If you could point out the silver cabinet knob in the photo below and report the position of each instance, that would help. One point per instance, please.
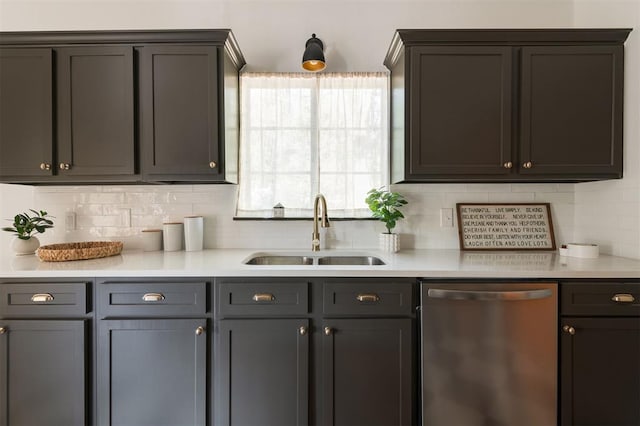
(328, 331)
(3, 330)
(302, 330)
(65, 166)
(508, 165)
(199, 331)
(45, 166)
(212, 165)
(527, 165)
(569, 329)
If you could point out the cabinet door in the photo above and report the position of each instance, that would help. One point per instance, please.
(262, 372)
(152, 372)
(43, 373)
(95, 111)
(571, 120)
(600, 372)
(179, 102)
(460, 111)
(26, 113)
(366, 372)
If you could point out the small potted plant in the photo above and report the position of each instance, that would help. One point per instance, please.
(24, 225)
(385, 206)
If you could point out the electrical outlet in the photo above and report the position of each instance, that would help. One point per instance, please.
(70, 221)
(446, 218)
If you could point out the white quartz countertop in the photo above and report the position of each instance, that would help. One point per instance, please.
(406, 263)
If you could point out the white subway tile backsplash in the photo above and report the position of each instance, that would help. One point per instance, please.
(122, 211)
(511, 197)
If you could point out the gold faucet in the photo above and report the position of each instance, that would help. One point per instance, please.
(319, 201)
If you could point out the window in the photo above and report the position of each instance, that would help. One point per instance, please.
(305, 134)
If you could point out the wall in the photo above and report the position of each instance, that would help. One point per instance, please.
(608, 213)
(356, 33)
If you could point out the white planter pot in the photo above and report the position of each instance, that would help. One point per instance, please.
(22, 247)
(390, 242)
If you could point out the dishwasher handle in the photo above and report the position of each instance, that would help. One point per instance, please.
(507, 295)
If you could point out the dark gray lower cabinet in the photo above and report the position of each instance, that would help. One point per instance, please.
(262, 372)
(366, 372)
(152, 372)
(43, 378)
(600, 365)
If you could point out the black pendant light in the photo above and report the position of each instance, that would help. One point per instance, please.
(313, 58)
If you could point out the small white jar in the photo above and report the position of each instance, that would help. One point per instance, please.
(193, 233)
(151, 239)
(172, 234)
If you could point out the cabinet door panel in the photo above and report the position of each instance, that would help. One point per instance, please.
(95, 110)
(366, 372)
(26, 112)
(571, 119)
(460, 110)
(179, 101)
(262, 373)
(42, 373)
(600, 372)
(152, 372)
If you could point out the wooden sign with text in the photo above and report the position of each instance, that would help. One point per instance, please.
(517, 226)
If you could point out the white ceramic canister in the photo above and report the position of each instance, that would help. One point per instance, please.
(172, 234)
(193, 233)
(151, 239)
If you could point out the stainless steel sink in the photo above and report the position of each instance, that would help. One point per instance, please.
(350, 260)
(293, 259)
(280, 260)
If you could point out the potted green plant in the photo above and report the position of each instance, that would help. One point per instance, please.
(24, 226)
(385, 206)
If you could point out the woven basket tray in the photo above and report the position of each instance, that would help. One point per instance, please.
(79, 251)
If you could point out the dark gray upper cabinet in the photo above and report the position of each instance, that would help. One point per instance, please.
(506, 105)
(180, 117)
(26, 113)
(95, 111)
(571, 110)
(119, 106)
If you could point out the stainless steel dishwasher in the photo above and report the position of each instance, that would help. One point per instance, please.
(489, 354)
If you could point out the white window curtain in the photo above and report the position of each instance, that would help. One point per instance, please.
(304, 134)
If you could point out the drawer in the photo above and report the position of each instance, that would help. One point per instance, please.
(589, 298)
(263, 298)
(60, 299)
(152, 299)
(368, 298)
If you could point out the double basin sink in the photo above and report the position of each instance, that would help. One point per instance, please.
(319, 259)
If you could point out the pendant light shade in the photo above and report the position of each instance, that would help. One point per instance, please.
(313, 58)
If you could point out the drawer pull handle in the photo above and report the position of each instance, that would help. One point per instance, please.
(368, 297)
(263, 297)
(153, 297)
(623, 298)
(199, 330)
(302, 330)
(3, 330)
(569, 329)
(42, 297)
